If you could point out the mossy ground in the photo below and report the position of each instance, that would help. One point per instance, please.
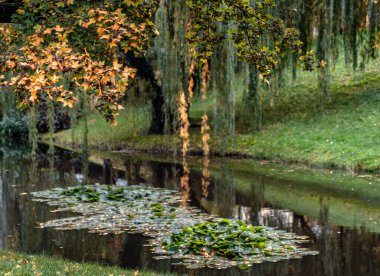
(344, 133)
(17, 264)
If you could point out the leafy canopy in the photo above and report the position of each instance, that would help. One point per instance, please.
(260, 38)
(57, 50)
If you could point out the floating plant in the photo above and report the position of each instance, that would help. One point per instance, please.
(234, 240)
(112, 209)
(181, 233)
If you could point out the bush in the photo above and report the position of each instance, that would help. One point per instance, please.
(14, 128)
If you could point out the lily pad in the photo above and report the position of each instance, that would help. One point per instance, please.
(232, 239)
(186, 235)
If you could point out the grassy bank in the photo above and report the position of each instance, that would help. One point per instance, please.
(344, 134)
(20, 264)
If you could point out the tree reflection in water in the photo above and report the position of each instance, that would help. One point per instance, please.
(254, 198)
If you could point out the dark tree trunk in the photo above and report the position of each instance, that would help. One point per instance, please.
(107, 172)
(145, 71)
(6, 11)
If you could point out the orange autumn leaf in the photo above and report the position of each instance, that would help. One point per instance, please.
(59, 28)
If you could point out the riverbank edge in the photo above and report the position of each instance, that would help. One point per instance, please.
(171, 147)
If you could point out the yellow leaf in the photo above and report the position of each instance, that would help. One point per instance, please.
(47, 31)
(59, 28)
(38, 41)
(116, 65)
(114, 123)
(100, 30)
(115, 27)
(62, 37)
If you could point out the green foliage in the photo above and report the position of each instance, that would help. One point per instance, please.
(116, 194)
(109, 193)
(158, 209)
(232, 239)
(14, 127)
(252, 26)
(83, 194)
(60, 49)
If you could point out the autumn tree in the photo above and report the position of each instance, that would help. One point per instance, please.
(57, 50)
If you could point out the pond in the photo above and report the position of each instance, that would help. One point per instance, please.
(340, 213)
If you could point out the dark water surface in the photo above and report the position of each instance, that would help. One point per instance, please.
(343, 228)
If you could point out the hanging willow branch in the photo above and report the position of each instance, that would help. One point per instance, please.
(251, 23)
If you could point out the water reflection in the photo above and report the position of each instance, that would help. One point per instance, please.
(352, 249)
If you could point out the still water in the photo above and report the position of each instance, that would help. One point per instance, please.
(343, 223)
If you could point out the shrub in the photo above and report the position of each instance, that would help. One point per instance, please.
(14, 128)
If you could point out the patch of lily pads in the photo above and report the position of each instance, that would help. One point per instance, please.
(219, 240)
(187, 235)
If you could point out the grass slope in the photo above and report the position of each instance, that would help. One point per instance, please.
(347, 137)
(343, 134)
(15, 264)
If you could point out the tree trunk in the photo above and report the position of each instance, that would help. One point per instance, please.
(7, 10)
(145, 71)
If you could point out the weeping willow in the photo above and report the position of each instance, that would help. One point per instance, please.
(73, 113)
(346, 29)
(346, 26)
(85, 151)
(330, 27)
(51, 142)
(33, 131)
(223, 77)
(171, 57)
(334, 29)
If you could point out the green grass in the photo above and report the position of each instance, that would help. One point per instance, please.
(345, 137)
(12, 264)
(343, 134)
(132, 122)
